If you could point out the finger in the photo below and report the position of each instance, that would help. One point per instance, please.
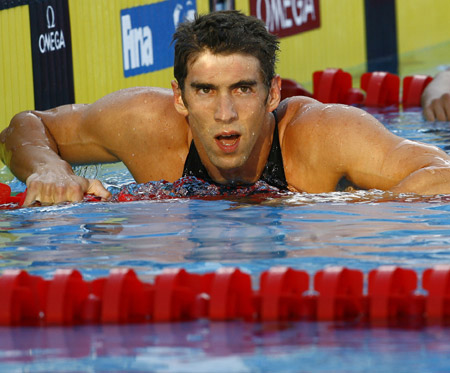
(428, 114)
(33, 193)
(30, 199)
(439, 111)
(97, 189)
(446, 106)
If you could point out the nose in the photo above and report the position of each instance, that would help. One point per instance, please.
(225, 111)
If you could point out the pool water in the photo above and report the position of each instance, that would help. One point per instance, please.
(361, 230)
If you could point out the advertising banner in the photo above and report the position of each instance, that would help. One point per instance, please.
(147, 34)
(51, 50)
(287, 17)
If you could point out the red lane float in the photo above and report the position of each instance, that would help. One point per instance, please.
(284, 294)
(391, 294)
(281, 294)
(335, 86)
(382, 89)
(66, 294)
(8, 201)
(413, 87)
(231, 295)
(178, 295)
(436, 281)
(22, 298)
(290, 88)
(340, 293)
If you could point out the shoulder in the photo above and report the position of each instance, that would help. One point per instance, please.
(142, 118)
(146, 108)
(320, 141)
(308, 117)
(137, 100)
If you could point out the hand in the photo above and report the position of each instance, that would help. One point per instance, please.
(436, 98)
(52, 188)
(438, 109)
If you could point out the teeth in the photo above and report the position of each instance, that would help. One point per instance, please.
(227, 136)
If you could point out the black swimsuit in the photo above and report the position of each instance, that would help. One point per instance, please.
(273, 173)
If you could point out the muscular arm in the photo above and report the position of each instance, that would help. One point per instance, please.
(39, 147)
(436, 98)
(328, 142)
(31, 151)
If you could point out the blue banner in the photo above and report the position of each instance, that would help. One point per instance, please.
(147, 33)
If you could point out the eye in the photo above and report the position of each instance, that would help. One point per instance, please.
(244, 89)
(205, 90)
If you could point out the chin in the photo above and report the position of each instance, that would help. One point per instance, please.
(230, 164)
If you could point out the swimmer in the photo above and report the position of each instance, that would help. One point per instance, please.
(436, 98)
(222, 120)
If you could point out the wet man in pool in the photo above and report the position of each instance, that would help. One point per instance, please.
(222, 121)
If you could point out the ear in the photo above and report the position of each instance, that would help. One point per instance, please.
(178, 99)
(274, 97)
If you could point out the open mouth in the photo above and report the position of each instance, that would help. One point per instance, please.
(229, 142)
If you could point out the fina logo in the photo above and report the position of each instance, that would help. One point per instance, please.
(53, 40)
(138, 42)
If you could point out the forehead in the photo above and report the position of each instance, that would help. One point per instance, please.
(207, 66)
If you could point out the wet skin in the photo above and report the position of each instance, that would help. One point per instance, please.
(226, 109)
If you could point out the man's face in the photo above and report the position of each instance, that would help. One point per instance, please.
(227, 106)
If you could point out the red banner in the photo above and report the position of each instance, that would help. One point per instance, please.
(287, 17)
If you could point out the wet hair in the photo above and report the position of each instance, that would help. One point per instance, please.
(224, 32)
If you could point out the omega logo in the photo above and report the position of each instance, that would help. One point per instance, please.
(53, 40)
(50, 17)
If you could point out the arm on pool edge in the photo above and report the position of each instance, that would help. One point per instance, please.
(31, 152)
(436, 98)
(408, 166)
(323, 143)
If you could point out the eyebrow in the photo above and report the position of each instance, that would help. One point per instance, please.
(196, 85)
(247, 83)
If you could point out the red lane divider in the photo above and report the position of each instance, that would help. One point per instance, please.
(231, 295)
(281, 295)
(291, 88)
(179, 295)
(437, 282)
(382, 89)
(22, 298)
(7, 201)
(340, 293)
(333, 294)
(413, 87)
(377, 89)
(335, 86)
(391, 294)
(65, 296)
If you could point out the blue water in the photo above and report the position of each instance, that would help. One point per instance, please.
(358, 230)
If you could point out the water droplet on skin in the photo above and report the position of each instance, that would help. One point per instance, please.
(132, 154)
(145, 101)
(100, 110)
